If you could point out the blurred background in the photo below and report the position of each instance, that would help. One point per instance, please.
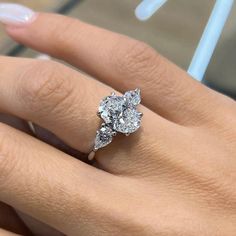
(174, 31)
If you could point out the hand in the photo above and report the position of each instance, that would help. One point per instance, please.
(175, 176)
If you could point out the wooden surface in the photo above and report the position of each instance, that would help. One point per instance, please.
(174, 31)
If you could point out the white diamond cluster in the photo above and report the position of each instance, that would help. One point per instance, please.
(120, 115)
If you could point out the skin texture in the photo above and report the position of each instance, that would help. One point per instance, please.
(175, 176)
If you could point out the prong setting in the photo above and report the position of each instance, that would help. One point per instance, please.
(140, 114)
(99, 114)
(119, 115)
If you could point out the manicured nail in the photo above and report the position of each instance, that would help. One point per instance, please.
(15, 14)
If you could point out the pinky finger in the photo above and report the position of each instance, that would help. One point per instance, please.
(6, 233)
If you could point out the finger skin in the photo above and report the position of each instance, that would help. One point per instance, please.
(51, 139)
(78, 199)
(122, 63)
(65, 102)
(38, 227)
(50, 185)
(7, 233)
(52, 96)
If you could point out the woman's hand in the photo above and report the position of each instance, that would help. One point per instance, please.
(175, 176)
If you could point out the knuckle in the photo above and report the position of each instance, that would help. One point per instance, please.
(136, 58)
(220, 192)
(48, 89)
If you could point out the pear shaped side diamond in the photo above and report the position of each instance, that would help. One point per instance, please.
(104, 137)
(133, 97)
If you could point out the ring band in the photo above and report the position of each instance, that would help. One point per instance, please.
(119, 115)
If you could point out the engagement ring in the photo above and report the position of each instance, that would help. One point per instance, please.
(119, 115)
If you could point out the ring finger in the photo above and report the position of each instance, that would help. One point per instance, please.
(65, 102)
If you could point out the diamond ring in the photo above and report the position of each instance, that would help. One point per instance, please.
(119, 115)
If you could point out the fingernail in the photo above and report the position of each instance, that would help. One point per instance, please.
(15, 14)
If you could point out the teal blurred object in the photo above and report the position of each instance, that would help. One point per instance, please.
(209, 39)
(147, 8)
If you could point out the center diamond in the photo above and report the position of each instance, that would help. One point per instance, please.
(120, 113)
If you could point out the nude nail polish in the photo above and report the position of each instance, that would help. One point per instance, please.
(15, 14)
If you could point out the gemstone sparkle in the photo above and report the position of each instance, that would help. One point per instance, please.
(133, 97)
(104, 137)
(120, 115)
